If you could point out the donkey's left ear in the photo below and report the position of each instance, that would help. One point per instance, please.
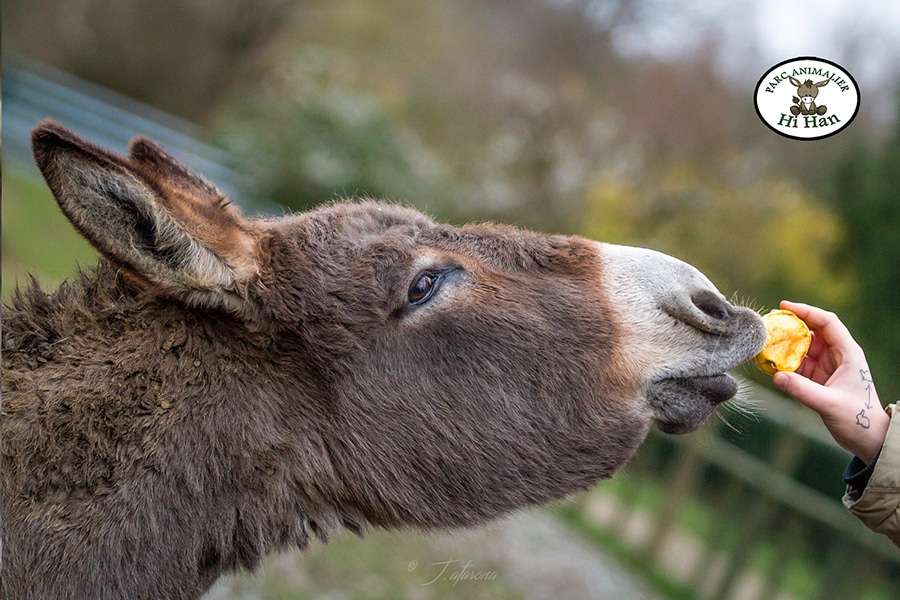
(157, 221)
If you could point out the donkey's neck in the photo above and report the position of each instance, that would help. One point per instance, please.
(177, 421)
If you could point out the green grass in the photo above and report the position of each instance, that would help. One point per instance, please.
(383, 566)
(37, 237)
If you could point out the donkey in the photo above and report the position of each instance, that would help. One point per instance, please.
(807, 92)
(219, 388)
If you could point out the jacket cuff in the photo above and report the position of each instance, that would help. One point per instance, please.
(883, 474)
(858, 473)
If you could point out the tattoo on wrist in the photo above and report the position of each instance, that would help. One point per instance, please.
(861, 419)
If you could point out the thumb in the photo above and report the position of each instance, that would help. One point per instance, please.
(800, 388)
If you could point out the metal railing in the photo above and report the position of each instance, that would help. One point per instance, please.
(32, 91)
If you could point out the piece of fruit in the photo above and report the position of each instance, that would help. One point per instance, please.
(786, 344)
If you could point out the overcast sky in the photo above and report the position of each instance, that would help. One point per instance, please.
(753, 35)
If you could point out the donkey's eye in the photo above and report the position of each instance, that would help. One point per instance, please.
(423, 288)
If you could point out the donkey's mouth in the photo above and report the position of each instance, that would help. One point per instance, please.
(682, 404)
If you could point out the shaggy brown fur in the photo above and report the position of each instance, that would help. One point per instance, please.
(219, 388)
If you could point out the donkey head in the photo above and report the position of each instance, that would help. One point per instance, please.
(807, 90)
(450, 373)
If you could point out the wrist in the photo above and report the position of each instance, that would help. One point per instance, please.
(868, 446)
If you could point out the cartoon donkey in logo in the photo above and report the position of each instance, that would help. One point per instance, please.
(806, 104)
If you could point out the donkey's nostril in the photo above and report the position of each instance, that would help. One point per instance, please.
(711, 304)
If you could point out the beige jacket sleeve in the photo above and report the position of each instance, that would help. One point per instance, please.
(878, 506)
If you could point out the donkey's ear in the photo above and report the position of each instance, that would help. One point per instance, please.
(154, 219)
(148, 157)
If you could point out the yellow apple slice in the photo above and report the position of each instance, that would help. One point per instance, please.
(787, 342)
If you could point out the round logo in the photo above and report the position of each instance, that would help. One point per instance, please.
(806, 98)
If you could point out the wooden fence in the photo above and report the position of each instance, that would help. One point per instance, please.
(767, 533)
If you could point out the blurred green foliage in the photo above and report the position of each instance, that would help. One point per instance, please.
(866, 196)
(311, 140)
(758, 237)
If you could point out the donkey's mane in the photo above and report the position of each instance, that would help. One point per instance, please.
(38, 321)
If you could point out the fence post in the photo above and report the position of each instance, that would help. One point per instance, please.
(681, 485)
(791, 537)
(632, 492)
(704, 576)
(786, 455)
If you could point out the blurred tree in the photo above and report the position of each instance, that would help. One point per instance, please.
(763, 237)
(182, 56)
(311, 138)
(867, 196)
(470, 98)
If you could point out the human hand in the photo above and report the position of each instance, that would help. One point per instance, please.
(834, 381)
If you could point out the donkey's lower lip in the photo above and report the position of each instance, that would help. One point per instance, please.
(682, 404)
(716, 388)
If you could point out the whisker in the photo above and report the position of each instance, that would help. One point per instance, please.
(744, 407)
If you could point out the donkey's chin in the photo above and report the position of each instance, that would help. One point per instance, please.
(682, 404)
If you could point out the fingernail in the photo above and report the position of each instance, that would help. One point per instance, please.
(780, 379)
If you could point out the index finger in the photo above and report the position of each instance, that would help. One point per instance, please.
(826, 325)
